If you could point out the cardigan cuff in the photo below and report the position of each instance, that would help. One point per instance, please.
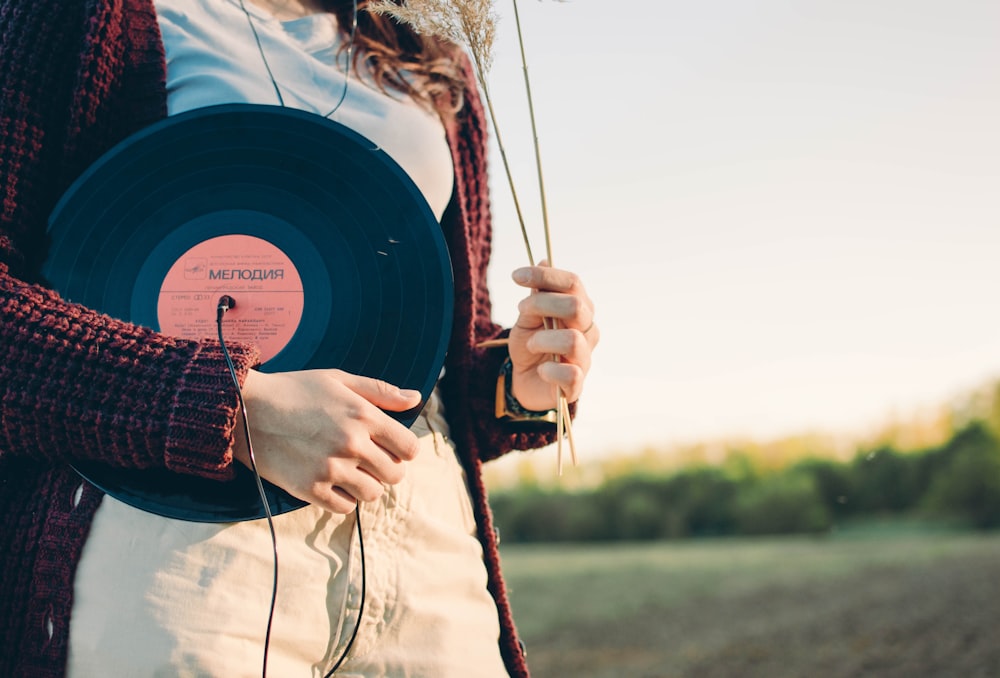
(204, 412)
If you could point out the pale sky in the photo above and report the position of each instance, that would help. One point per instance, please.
(787, 211)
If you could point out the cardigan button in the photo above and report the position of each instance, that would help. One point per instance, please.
(77, 495)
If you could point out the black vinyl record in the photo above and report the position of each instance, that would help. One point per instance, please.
(331, 252)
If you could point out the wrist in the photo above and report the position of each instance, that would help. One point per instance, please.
(508, 408)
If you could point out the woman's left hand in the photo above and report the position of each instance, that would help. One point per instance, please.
(542, 358)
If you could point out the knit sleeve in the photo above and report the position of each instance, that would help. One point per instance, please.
(76, 384)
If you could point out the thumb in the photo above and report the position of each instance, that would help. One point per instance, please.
(381, 393)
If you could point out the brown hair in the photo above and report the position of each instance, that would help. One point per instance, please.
(428, 69)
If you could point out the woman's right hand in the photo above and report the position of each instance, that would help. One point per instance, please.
(320, 435)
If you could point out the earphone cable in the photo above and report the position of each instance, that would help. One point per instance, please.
(361, 607)
(260, 48)
(270, 74)
(225, 303)
(350, 58)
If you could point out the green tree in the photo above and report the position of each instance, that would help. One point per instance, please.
(784, 503)
(968, 485)
(884, 481)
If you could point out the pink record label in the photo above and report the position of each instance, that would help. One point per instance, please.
(261, 279)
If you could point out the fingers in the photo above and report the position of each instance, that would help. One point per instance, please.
(571, 311)
(351, 488)
(373, 445)
(547, 279)
(323, 436)
(380, 393)
(392, 440)
(574, 353)
(340, 481)
(570, 345)
(335, 499)
(568, 377)
(554, 336)
(556, 294)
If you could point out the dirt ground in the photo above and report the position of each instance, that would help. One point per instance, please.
(930, 619)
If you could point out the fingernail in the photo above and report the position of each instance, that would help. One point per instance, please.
(409, 393)
(522, 275)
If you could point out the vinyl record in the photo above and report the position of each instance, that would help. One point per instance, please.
(331, 252)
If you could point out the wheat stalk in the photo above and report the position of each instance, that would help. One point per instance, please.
(472, 23)
(563, 420)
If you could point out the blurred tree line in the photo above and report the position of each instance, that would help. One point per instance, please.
(956, 480)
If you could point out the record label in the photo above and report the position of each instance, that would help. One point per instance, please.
(261, 278)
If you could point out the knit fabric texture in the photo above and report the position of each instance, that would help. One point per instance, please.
(76, 78)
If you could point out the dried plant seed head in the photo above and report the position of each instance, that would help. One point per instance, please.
(471, 23)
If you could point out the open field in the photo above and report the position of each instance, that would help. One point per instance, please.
(880, 602)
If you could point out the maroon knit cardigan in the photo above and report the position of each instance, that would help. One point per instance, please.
(75, 78)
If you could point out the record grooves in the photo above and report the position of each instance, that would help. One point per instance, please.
(330, 250)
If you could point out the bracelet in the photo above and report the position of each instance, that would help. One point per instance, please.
(507, 406)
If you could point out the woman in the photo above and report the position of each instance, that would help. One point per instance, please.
(76, 572)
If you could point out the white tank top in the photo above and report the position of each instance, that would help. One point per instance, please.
(213, 58)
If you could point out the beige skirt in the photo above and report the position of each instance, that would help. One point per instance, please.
(161, 597)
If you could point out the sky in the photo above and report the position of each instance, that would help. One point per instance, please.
(786, 212)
